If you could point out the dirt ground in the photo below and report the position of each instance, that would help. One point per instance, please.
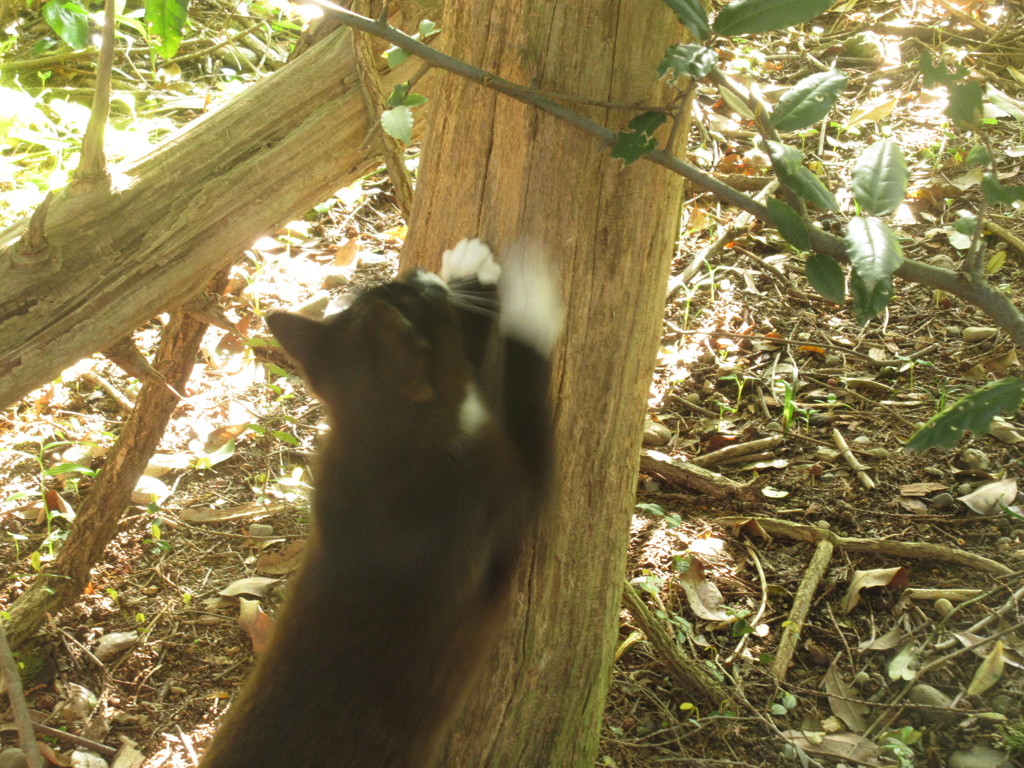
(813, 517)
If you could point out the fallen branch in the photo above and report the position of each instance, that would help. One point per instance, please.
(699, 479)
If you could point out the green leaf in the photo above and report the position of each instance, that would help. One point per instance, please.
(997, 192)
(69, 21)
(285, 437)
(687, 60)
(826, 277)
(789, 224)
(750, 17)
(414, 100)
(813, 190)
(397, 122)
(808, 101)
(166, 19)
(978, 156)
(787, 164)
(937, 74)
(785, 160)
(880, 177)
(61, 469)
(398, 95)
(868, 301)
(427, 29)
(875, 254)
(966, 223)
(691, 14)
(638, 139)
(973, 412)
(965, 105)
(396, 56)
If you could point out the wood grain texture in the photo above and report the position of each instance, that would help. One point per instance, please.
(502, 170)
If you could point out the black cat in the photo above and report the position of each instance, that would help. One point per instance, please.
(425, 492)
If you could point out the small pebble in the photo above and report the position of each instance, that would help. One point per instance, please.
(651, 485)
(656, 433)
(12, 757)
(943, 606)
(978, 756)
(1003, 543)
(861, 677)
(964, 488)
(833, 361)
(862, 439)
(929, 696)
(975, 459)
(823, 524)
(774, 425)
(879, 453)
(943, 501)
(261, 529)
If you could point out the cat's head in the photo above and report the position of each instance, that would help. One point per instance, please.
(397, 350)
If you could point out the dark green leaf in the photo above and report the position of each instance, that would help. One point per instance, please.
(977, 156)
(826, 277)
(813, 190)
(974, 412)
(166, 19)
(874, 254)
(397, 122)
(937, 74)
(808, 101)
(965, 105)
(997, 192)
(789, 224)
(745, 17)
(880, 177)
(69, 21)
(785, 160)
(868, 302)
(692, 16)
(690, 60)
(638, 139)
(398, 94)
(787, 164)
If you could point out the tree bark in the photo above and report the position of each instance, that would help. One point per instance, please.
(117, 257)
(494, 167)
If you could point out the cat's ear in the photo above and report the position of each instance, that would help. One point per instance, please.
(402, 355)
(305, 340)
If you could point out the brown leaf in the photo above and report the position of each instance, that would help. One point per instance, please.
(839, 693)
(252, 585)
(921, 489)
(704, 598)
(894, 578)
(282, 561)
(256, 623)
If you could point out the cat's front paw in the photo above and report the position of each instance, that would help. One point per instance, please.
(531, 301)
(470, 259)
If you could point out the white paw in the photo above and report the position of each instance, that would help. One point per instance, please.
(470, 258)
(531, 303)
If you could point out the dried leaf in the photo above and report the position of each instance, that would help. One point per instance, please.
(252, 585)
(921, 489)
(988, 672)
(903, 666)
(256, 623)
(1010, 656)
(848, 746)
(894, 578)
(207, 515)
(283, 561)
(704, 598)
(1005, 432)
(839, 695)
(886, 642)
(989, 498)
